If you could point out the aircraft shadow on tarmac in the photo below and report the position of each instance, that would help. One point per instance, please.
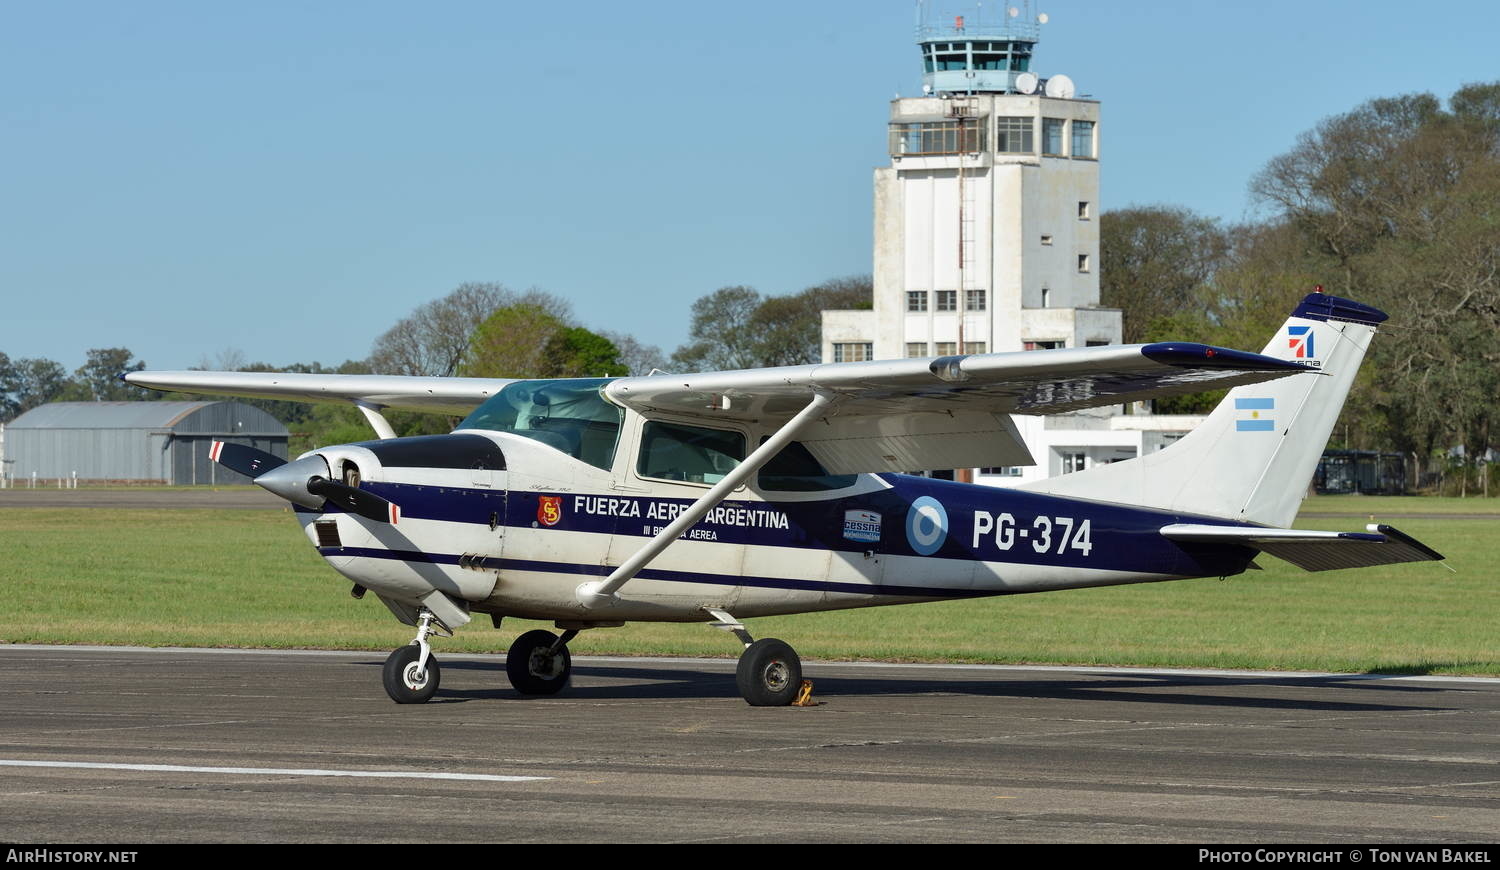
(624, 682)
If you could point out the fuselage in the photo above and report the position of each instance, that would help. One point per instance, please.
(511, 526)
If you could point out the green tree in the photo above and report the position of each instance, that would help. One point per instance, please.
(1399, 200)
(789, 329)
(575, 352)
(100, 375)
(32, 382)
(433, 340)
(531, 340)
(8, 406)
(1156, 262)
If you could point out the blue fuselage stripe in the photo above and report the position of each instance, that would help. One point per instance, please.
(659, 574)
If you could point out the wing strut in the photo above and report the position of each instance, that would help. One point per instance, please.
(376, 419)
(596, 593)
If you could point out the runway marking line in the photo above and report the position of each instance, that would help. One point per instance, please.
(273, 771)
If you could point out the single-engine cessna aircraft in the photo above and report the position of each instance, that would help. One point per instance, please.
(719, 496)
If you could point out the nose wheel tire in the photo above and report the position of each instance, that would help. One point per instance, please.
(537, 664)
(769, 673)
(404, 682)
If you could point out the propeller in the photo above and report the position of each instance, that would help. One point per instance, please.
(304, 481)
(246, 460)
(363, 502)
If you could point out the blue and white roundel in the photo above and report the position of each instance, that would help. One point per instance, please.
(926, 525)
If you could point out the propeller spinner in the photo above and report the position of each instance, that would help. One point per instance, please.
(304, 481)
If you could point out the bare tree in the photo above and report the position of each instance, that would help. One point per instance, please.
(721, 332)
(737, 328)
(639, 358)
(432, 340)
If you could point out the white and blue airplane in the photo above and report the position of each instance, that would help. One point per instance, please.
(721, 496)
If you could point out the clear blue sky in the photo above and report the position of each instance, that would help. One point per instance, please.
(290, 179)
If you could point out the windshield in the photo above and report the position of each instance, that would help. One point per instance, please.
(569, 415)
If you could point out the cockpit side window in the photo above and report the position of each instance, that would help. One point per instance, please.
(672, 451)
(568, 415)
(795, 469)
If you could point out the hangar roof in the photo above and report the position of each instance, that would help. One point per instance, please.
(129, 415)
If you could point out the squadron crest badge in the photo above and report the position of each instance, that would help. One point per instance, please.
(549, 509)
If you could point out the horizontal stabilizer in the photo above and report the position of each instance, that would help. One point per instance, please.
(1314, 550)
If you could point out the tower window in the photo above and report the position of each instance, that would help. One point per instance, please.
(947, 300)
(1083, 139)
(1046, 297)
(853, 351)
(1083, 211)
(1014, 136)
(974, 300)
(916, 300)
(938, 137)
(1083, 262)
(1046, 238)
(1052, 136)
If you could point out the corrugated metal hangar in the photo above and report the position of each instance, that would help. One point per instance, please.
(130, 442)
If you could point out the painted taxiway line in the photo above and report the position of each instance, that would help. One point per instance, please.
(1106, 670)
(273, 771)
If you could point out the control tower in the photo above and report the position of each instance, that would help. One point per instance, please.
(986, 219)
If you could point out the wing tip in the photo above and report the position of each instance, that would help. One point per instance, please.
(1192, 355)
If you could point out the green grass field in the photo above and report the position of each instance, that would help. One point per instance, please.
(249, 578)
(1398, 505)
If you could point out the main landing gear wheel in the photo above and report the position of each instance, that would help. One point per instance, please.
(404, 682)
(769, 673)
(538, 663)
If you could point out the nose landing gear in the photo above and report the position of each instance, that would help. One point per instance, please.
(411, 674)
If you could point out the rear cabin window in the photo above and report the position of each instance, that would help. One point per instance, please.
(570, 415)
(795, 469)
(672, 451)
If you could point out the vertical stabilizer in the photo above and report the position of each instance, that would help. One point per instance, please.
(1254, 457)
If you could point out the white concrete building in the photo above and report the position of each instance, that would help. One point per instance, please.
(987, 235)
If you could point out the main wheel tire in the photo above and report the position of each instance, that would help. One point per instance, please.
(769, 673)
(533, 668)
(402, 682)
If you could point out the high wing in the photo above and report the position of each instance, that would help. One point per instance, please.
(1314, 550)
(435, 395)
(948, 412)
(885, 415)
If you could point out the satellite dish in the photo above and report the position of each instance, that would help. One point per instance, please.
(1027, 82)
(1060, 87)
(1013, 12)
(1041, 19)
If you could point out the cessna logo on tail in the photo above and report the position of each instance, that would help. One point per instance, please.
(1300, 340)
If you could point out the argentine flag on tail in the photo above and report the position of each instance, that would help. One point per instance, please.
(1249, 417)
